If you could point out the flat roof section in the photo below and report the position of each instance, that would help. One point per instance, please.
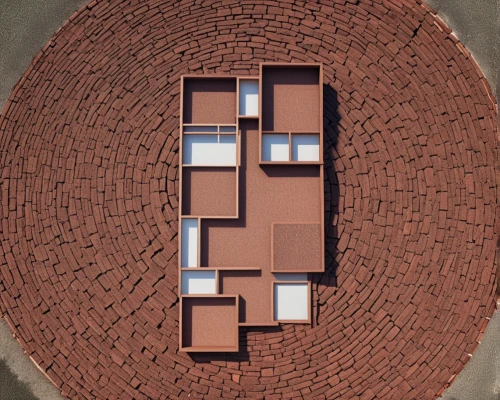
(297, 247)
(292, 101)
(209, 191)
(209, 101)
(255, 296)
(267, 194)
(209, 323)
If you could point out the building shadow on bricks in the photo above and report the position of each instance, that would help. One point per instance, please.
(328, 280)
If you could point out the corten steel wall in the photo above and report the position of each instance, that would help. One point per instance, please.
(89, 223)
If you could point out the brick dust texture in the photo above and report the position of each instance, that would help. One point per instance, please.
(89, 189)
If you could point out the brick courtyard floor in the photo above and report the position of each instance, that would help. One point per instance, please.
(88, 164)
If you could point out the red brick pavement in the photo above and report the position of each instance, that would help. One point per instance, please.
(89, 191)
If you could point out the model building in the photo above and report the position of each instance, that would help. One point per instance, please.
(251, 206)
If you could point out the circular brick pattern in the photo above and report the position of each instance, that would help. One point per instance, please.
(89, 191)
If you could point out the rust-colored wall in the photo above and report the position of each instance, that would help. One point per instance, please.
(267, 195)
(209, 322)
(209, 101)
(209, 191)
(291, 103)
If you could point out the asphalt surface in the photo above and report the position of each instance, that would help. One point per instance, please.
(26, 25)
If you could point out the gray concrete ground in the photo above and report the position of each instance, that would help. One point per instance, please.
(476, 23)
(20, 379)
(26, 25)
(480, 379)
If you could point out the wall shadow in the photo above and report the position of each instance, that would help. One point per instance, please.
(331, 120)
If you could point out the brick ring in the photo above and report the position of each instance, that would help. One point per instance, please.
(89, 201)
